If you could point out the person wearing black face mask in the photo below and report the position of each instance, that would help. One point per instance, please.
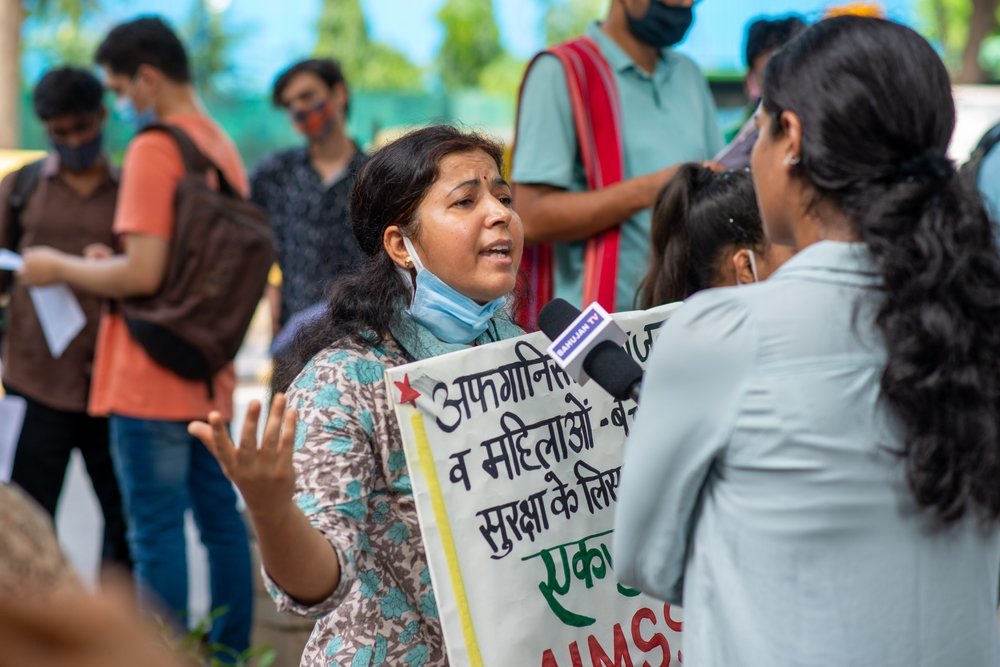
(604, 121)
(68, 203)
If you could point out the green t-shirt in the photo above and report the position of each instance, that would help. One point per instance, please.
(667, 118)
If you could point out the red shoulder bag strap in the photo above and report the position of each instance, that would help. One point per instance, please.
(594, 100)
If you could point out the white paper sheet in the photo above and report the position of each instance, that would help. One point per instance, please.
(10, 261)
(60, 315)
(12, 410)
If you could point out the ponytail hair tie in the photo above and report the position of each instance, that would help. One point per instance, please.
(929, 164)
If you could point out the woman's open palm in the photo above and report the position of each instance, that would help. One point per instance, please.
(263, 474)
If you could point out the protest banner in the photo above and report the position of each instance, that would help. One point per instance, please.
(515, 470)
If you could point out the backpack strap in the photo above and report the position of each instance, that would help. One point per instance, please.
(25, 181)
(594, 100)
(195, 162)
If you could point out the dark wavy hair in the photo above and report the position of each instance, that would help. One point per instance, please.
(769, 34)
(698, 215)
(147, 40)
(365, 303)
(326, 69)
(874, 102)
(67, 90)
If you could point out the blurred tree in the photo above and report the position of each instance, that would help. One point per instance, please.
(967, 32)
(368, 65)
(209, 44)
(64, 42)
(471, 42)
(12, 14)
(565, 19)
(502, 76)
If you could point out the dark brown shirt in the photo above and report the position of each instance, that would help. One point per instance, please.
(55, 215)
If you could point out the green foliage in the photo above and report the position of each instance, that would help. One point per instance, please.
(502, 76)
(471, 42)
(565, 19)
(63, 43)
(196, 648)
(367, 65)
(946, 22)
(74, 10)
(209, 45)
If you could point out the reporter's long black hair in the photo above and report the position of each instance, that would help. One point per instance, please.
(365, 302)
(875, 106)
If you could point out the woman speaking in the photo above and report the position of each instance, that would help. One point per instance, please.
(814, 471)
(328, 490)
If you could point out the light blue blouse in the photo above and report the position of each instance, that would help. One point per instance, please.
(759, 492)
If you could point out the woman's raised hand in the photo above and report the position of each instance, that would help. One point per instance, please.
(264, 474)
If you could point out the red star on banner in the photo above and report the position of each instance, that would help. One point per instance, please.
(407, 394)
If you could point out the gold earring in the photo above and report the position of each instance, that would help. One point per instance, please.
(408, 262)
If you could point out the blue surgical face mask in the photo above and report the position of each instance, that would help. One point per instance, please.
(82, 157)
(444, 311)
(661, 26)
(125, 108)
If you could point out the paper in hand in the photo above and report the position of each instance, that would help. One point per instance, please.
(10, 261)
(736, 154)
(12, 409)
(60, 315)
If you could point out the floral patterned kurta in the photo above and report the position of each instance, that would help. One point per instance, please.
(353, 485)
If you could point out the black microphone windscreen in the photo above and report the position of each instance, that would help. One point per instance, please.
(555, 316)
(610, 366)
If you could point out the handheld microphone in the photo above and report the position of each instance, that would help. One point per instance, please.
(588, 344)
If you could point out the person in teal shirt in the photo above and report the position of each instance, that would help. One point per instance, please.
(668, 118)
(813, 468)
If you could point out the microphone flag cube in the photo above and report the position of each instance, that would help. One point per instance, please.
(593, 326)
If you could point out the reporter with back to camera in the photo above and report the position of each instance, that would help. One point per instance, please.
(814, 472)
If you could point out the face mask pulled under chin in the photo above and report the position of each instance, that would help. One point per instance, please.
(444, 311)
(661, 26)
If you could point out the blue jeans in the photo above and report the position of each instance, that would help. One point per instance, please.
(163, 471)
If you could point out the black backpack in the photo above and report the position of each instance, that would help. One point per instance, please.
(970, 170)
(220, 253)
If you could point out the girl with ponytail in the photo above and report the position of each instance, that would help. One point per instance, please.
(706, 232)
(814, 470)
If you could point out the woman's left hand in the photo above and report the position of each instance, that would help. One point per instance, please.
(41, 266)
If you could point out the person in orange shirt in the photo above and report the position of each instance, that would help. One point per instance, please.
(162, 470)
